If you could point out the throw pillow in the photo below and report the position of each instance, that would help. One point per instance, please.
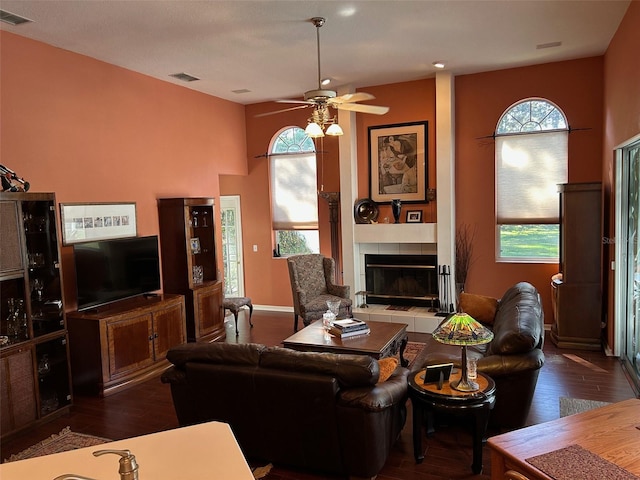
(387, 367)
(480, 307)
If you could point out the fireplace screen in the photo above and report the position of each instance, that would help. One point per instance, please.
(410, 280)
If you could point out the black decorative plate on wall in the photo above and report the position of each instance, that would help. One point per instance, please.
(365, 211)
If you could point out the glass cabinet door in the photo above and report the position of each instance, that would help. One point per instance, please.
(53, 375)
(45, 290)
(201, 244)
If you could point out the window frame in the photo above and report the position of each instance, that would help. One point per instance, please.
(564, 127)
(292, 141)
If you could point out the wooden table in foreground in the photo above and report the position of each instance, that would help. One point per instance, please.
(611, 432)
(385, 340)
(207, 450)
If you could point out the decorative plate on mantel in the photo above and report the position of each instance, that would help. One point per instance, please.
(365, 211)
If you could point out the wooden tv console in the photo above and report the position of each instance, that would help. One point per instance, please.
(124, 343)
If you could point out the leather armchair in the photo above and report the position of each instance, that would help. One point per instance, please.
(312, 284)
(513, 358)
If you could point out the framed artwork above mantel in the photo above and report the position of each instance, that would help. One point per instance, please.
(398, 163)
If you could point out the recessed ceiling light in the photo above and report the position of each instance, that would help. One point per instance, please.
(325, 81)
(347, 11)
(241, 90)
(438, 64)
(12, 18)
(548, 45)
(185, 77)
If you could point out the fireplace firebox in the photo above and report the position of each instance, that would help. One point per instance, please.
(408, 280)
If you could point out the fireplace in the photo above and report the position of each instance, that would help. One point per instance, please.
(409, 280)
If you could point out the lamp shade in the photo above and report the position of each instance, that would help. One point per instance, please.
(314, 130)
(334, 130)
(462, 329)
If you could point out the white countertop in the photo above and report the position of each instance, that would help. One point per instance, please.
(200, 452)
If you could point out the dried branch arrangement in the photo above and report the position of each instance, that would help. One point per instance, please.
(464, 252)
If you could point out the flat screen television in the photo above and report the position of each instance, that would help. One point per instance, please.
(115, 269)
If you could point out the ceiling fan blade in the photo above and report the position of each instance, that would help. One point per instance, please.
(352, 98)
(357, 107)
(308, 102)
(280, 111)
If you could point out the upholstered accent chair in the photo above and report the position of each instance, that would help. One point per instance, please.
(312, 284)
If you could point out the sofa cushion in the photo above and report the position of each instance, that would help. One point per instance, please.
(386, 366)
(480, 307)
(349, 370)
(519, 321)
(216, 352)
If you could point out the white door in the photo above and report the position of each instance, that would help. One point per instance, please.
(232, 246)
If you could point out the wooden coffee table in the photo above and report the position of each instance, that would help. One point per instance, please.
(385, 340)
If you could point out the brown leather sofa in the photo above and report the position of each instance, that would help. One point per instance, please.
(512, 359)
(316, 411)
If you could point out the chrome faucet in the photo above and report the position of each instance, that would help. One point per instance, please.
(128, 466)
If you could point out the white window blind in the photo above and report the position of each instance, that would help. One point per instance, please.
(294, 194)
(528, 169)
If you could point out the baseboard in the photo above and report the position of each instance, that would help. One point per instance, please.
(273, 308)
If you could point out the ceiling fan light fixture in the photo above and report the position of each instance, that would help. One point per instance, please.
(314, 130)
(334, 130)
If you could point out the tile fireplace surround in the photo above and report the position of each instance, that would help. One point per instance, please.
(394, 239)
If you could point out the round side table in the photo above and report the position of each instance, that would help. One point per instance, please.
(428, 401)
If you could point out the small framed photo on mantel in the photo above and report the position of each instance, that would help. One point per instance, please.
(414, 216)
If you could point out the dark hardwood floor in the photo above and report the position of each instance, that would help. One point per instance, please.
(148, 408)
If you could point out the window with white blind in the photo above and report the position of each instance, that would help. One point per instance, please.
(294, 193)
(531, 160)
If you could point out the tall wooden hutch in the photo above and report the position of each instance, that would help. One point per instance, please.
(577, 292)
(35, 382)
(189, 263)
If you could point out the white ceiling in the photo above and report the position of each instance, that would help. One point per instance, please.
(269, 47)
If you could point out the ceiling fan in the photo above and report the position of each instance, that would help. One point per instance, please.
(322, 99)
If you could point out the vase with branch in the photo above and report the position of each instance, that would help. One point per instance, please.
(464, 256)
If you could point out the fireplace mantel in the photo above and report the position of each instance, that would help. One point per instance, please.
(395, 233)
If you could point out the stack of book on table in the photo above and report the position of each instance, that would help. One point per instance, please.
(349, 327)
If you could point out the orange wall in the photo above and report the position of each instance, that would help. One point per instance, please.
(622, 122)
(266, 277)
(576, 87)
(407, 102)
(93, 132)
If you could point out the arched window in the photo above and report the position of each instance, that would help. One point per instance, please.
(294, 193)
(531, 160)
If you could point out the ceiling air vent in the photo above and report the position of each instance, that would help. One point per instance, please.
(185, 77)
(12, 18)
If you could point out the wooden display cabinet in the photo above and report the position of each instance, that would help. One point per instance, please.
(189, 263)
(577, 293)
(124, 343)
(35, 382)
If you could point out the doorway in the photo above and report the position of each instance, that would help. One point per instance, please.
(628, 258)
(232, 246)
